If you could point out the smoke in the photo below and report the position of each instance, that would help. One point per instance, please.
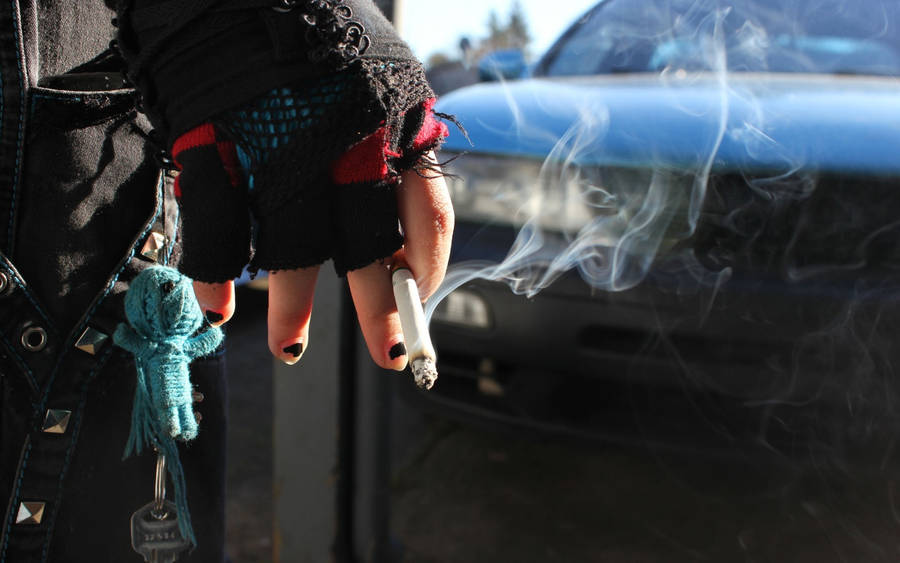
(632, 215)
(707, 172)
(729, 187)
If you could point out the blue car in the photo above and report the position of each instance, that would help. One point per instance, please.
(689, 210)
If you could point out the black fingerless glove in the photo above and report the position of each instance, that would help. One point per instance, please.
(318, 102)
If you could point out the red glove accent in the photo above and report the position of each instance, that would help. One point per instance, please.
(369, 160)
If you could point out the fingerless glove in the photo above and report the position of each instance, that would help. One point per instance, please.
(291, 122)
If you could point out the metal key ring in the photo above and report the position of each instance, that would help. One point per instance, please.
(159, 488)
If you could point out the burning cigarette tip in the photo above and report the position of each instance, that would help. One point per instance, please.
(425, 372)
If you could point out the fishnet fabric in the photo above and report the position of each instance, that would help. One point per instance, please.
(288, 141)
(270, 122)
(373, 93)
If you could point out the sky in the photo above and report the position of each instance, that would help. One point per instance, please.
(431, 26)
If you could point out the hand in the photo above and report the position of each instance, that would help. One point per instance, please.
(296, 163)
(426, 216)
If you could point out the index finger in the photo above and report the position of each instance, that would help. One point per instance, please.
(426, 214)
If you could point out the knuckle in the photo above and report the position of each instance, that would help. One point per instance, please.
(443, 219)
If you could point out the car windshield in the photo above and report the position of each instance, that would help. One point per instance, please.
(810, 36)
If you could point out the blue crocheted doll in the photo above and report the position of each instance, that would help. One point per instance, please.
(164, 317)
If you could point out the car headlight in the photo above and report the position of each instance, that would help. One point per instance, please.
(465, 308)
(513, 191)
(600, 206)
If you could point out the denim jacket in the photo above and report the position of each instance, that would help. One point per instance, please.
(84, 206)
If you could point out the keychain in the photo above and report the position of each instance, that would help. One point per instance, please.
(164, 334)
(154, 527)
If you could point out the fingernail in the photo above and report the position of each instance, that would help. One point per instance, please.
(397, 350)
(292, 353)
(213, 317)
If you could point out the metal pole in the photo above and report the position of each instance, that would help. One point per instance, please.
(311, 439)
(318, 517)
(393, 10)
(346, 455)
(398, 18)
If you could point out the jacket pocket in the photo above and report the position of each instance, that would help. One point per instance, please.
(89, 185)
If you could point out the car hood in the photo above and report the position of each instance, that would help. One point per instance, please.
(745, 122)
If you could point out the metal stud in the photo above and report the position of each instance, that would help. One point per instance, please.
(34, 339)
(285, 7)
(154, 246)
(91, 340)
(30, 513)
(56, 421)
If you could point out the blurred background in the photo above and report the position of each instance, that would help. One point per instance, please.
(668, 333)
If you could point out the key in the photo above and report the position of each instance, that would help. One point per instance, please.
(157, 540)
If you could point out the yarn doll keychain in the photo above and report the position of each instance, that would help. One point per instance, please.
(164, 319)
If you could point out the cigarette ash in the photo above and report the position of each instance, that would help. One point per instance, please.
(424, 372)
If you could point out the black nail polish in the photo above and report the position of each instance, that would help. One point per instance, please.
(294, 349)
(397, 350)
(214, 317)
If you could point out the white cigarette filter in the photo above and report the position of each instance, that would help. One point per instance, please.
(419, 349)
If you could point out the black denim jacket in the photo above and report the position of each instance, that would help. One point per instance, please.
(84, 206)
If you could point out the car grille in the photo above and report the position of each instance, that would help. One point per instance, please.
(801, 227)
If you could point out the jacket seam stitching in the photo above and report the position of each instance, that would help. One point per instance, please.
(12, 512)
(101, 363)
(21, 125)
(55, 97)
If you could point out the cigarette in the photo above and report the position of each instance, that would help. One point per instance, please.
(419, 349)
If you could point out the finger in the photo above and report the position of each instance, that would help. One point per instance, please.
(427, 218)
(377, 313)
(216, 301)
(290, 307)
